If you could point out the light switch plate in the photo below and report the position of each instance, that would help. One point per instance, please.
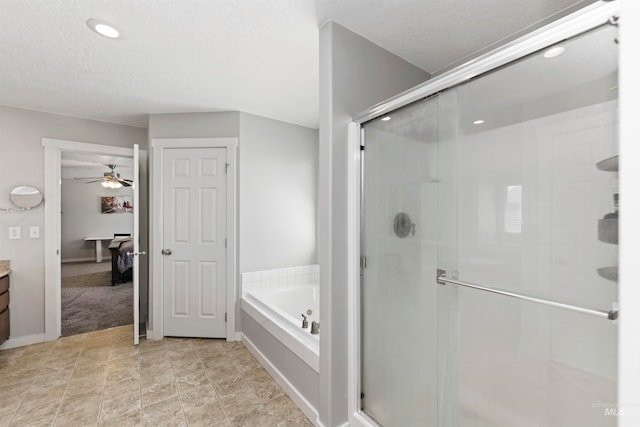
(14, 233)
(34, 232)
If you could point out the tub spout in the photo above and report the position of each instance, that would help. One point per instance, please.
(315, 327)
(305, 323)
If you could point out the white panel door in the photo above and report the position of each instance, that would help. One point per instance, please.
(194, 242)
(136, 245)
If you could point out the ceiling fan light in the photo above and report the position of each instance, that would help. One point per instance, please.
(105, 184)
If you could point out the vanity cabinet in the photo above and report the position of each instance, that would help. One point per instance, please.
(4, 308)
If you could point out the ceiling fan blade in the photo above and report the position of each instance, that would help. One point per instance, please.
(125, 184)
(91, 182)
(89, 177)
(128, 180)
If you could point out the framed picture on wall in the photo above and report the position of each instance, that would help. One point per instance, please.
(116, 204)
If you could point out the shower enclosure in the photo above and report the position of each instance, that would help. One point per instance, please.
(488, 230)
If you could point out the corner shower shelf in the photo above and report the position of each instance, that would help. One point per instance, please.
(608, 165)
(609, 273)
(608, 229)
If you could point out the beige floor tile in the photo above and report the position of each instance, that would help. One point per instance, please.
(239, 403)
(151, 377)
(11, 397)
(265, 389)
(14, 376)
(36, 412)
(191, 381)
(300, 421)
(282, 408)
(255, 417)
(199, 395)
(86, 416)
(5, 418)
(158, 392)
(132, 419)
(230, 385)
(119, 407)
(205, 414)
(85, 401)
(102, 379)
(165, 412)
(126, 388)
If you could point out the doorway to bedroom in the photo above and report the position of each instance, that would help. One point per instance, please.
(95, 236)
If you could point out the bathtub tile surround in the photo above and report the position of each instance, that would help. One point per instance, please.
(280, 278)
(100, 378)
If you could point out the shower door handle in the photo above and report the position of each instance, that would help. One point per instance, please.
(166, 252)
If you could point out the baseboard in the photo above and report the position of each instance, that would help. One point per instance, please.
(66, 260)
(22, 341)
(152, 336)
(302, 403)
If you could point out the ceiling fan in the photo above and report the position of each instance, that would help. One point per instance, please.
(110, 179)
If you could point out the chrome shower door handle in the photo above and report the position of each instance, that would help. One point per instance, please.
(136, 253)
(166, 252)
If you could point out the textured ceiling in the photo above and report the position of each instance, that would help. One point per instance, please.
(255, 56)
(174, 56)
(435, 34)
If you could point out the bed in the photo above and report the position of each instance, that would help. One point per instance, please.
(121, 263)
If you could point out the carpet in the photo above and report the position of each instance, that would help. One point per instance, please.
(87, 309)
(90, 280)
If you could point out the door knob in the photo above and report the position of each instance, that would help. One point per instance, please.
(166, 252)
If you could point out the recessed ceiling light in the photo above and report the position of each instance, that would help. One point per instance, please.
(103, 28)
(478, 122)
(386, 119)
(553, 52)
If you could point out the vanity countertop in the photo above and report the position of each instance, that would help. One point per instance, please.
(5, 268)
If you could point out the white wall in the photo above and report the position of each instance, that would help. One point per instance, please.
(278, 194)
(21, 133)
(82, 217)
(355, 74)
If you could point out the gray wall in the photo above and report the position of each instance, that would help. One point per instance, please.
(278, 194)
(21, 133)
(354, 74)
(276, 180)
(82, 217)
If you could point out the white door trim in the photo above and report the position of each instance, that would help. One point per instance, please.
(156, 329)
(52, 223)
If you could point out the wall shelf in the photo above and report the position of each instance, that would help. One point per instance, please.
(608, 165)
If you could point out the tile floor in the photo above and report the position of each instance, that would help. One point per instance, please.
(101, 378)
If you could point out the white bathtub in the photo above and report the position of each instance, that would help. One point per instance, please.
(279, 312)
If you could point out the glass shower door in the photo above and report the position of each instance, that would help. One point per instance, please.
(534, 212)
(399, 303)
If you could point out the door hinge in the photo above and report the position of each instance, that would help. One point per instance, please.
(226, 168)
(363, 262)
(225, 318)
(362, 146)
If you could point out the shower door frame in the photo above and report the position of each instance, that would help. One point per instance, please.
(586, 19)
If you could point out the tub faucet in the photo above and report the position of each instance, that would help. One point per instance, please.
(305, 324)
(315, 327)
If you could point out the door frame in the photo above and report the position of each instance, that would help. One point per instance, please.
(53, 149)
(156, 237)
